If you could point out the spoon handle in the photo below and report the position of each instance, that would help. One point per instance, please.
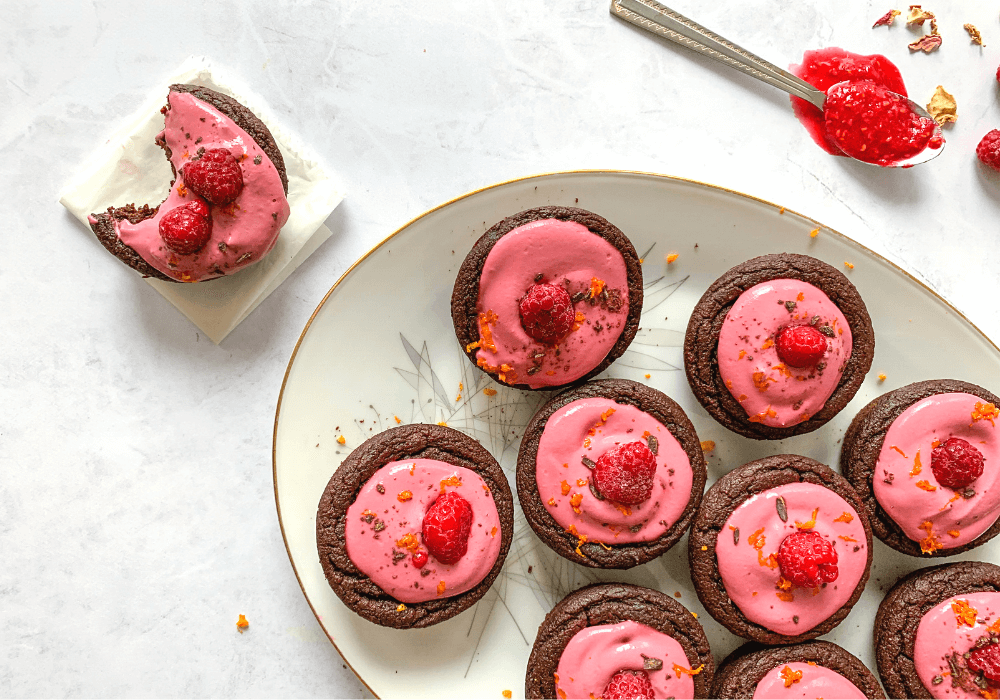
(662, 21)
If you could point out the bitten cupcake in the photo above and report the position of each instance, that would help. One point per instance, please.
(807, 670)
(780, 550)
(937, 633)
(548, 297)
(925, 460)
(619, 641)
(778, 345)
(610, 474)
(414, 526)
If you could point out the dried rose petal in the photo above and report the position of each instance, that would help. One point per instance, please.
(943, 107)
(917, 15)
(974, 34)
(926, 43)
(887, 19)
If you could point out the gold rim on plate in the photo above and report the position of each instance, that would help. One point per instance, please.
(672, 178)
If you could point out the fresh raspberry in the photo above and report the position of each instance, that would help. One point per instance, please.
(807, 559)
(547, 312)
(419, 559)
(988, 149)
(446, 528)
(624, 474)
(216, 176)
(986, 660)
(629, 685)
(956, 463)
(801, 346)
(186, 229)
(998, 75)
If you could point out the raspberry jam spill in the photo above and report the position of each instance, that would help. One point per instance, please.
(873, 125)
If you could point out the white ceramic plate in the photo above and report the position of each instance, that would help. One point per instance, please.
(381, 345)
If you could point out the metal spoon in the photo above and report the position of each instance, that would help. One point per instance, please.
(662, 21)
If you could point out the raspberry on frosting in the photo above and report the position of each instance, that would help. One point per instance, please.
(547, 312)
(801, 346)
(186, 229)
(956, 463)
(446, 528)
(624, 474)
(986, 660)
(807, 559)
(629, 685)
(216, 176)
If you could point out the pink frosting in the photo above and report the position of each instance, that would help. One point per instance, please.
(597, 653)
(908, 442)
(591, 427)
(940, 634)
(242, 232)
(752, 585)
(816, 682)
(770, 392)
(372, 552)
(559, 251)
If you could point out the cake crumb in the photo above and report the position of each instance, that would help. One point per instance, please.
(677, 594)
(671, 257)
(342, 440)
(242, 624)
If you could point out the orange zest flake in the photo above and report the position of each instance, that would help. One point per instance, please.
(985, 411)
(995, 627)
(404, 496)
(965, 614)
(603, 545)
(472, 346)
(849, 266)
(782, 369)
(552, 501)
(564, 487)
(490, 392)
(400, 608)
(800, 297)
(624, 510)
(729, 384)
(988, 694)
(596, 287)
(452, 480)
(759, 418)
(784, 584)
(757, 540)
(408, 542)
(811, 663)
(506, 693)
(485, 334)
(575, 500)
(182, 190)
(580, 539)
(893, 447)
(648, 376)
(242, 624)
(743, 397)
(607, 414)
(785, 596)
(507, 374)
(760, 380)
(493, 532)
(442, 423)
(367, 513)
(707, 445)
(342, 440)
(460, 387)
(846, 538)
(926, 485)
(671, 257)
(936, 443)
(951, 500)
(561, 693)
(844, 517)
(440, 588)
(955, 533)
(809, 524)
(881, 376)
(929, 544)
(586, 442)
(581, 482)
(790, 676)
(678, 669)
(917, 467)
(398, 420)
(486, 489)
(577, 322)
(743, 353)
(814, 233)
(767, 343)
(413, 468)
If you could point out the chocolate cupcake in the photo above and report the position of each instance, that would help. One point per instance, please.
(414, 526)
(925, 460)
(615, 636)
(227, 201)
(807, 670)
(778, 345)
(547, 298)
(937, 633)
(610, 473)
(780, 550)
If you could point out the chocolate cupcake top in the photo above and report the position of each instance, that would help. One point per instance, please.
(610, 474)
(414, 526)
(619, 633)
(937, 633)
(924, 459)
(780, 549)
(548, 297)
(808, 670)
(778, 345)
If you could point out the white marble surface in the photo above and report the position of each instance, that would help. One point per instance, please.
(137, 515)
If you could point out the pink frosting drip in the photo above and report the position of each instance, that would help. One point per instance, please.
(749, 362)
(248, 227)
(816, 682)
(372, 552)
(597, 653)
(752, 586)
(565, 440)
(558, 250)
(939, 635)
(913, 433)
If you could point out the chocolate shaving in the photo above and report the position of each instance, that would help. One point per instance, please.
(654, 444)
(425, 572)
(937, 680)
(790, 305)
(222, 246)
(197, 140)
(379, 526)
(593, 490)
(650, 664)
(827, 331)
(795, 619)
(588, 462)
(397, 556)
(368, 517)
(534, 370)
(257, 160)
(968, 493)
(736, 536)
(538, 277)
(635, 528)
(814, 320)
(782, 509)
(245, 256)
(579, 296)
(380, 488)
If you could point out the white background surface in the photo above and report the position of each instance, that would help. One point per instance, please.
(136, 507)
